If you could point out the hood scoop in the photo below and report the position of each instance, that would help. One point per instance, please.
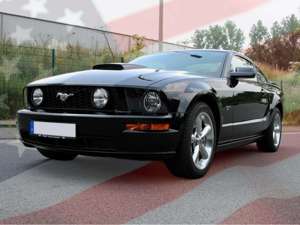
(117, 66)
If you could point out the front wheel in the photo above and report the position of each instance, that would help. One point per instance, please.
(61, 156)
(270, 142)
(198, 144)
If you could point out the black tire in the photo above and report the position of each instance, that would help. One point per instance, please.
(182, 165)
(61, 156)
(268, 143)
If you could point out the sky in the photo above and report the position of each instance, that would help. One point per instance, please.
(182, 17)
(274, 10)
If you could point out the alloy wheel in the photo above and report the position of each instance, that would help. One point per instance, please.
(277, 130)
(202, 140)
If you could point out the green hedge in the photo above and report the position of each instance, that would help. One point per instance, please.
(20, 65)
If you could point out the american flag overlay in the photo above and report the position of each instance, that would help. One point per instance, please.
(181, 18)
(242, 186)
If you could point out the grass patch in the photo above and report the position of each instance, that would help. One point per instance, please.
(292, 118)
(275, 74)
(291, 88)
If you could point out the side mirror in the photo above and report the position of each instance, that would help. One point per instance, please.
(243, 72)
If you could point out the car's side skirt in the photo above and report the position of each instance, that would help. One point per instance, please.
(238, 142)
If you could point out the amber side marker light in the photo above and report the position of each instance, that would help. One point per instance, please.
(148, 126)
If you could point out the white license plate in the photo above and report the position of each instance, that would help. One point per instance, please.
(47, 129)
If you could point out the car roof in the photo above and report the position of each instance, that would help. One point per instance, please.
(207, 50)
(231, 52)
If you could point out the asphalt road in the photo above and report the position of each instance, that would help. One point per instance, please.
(243, 186)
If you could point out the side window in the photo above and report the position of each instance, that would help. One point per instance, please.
(241, 62)
(260, 76)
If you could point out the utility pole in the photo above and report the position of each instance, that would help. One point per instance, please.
(161, 24)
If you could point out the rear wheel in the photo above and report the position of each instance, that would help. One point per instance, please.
(62, 156)
(270, 142)
(198, 144)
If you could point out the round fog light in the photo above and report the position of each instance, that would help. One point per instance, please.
(152, 102)
(100, 98)
(37, 97)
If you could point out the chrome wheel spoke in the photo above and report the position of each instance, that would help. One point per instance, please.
(205, 131)
(196, 153)
(204, 153)
(199, 124)
(202, 140)
(277, 129)
(194, 139)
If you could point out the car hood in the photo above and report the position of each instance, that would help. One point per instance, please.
(134, 77)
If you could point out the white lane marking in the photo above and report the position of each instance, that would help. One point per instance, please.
(222, 194)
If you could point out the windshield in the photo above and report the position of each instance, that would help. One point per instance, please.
(208, 63)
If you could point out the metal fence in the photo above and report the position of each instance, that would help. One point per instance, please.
(31, 49)
(58, 35)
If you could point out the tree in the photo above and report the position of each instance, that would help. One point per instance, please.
(276, 30)
(199, 39)
(228, 37)
(282, 48)
(258, 34)
(278, 52)
(235, 36)
(290, 24)
(216, 37)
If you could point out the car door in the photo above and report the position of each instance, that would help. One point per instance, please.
(249, 102)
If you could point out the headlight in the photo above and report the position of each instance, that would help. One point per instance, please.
(152, 102)
(37, 97)
(100, 98)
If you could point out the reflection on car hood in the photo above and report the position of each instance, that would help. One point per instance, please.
(135, 77)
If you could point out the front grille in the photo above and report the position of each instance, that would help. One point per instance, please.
(81, 101)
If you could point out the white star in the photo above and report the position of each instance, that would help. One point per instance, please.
(35, 7)
(71, 17)
(21, 34)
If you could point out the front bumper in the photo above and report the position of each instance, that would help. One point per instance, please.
(103, 135)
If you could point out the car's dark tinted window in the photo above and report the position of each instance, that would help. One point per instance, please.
(206, 63)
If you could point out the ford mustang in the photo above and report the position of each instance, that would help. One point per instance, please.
(178, 106)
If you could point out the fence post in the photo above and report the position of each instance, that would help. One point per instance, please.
(53, 60)
(2, 27)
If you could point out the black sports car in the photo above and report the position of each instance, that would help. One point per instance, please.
(178, 106)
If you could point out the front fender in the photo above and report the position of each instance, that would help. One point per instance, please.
(276, 101)
(184, 93)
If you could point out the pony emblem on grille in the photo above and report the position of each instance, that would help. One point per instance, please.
(64, 96)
